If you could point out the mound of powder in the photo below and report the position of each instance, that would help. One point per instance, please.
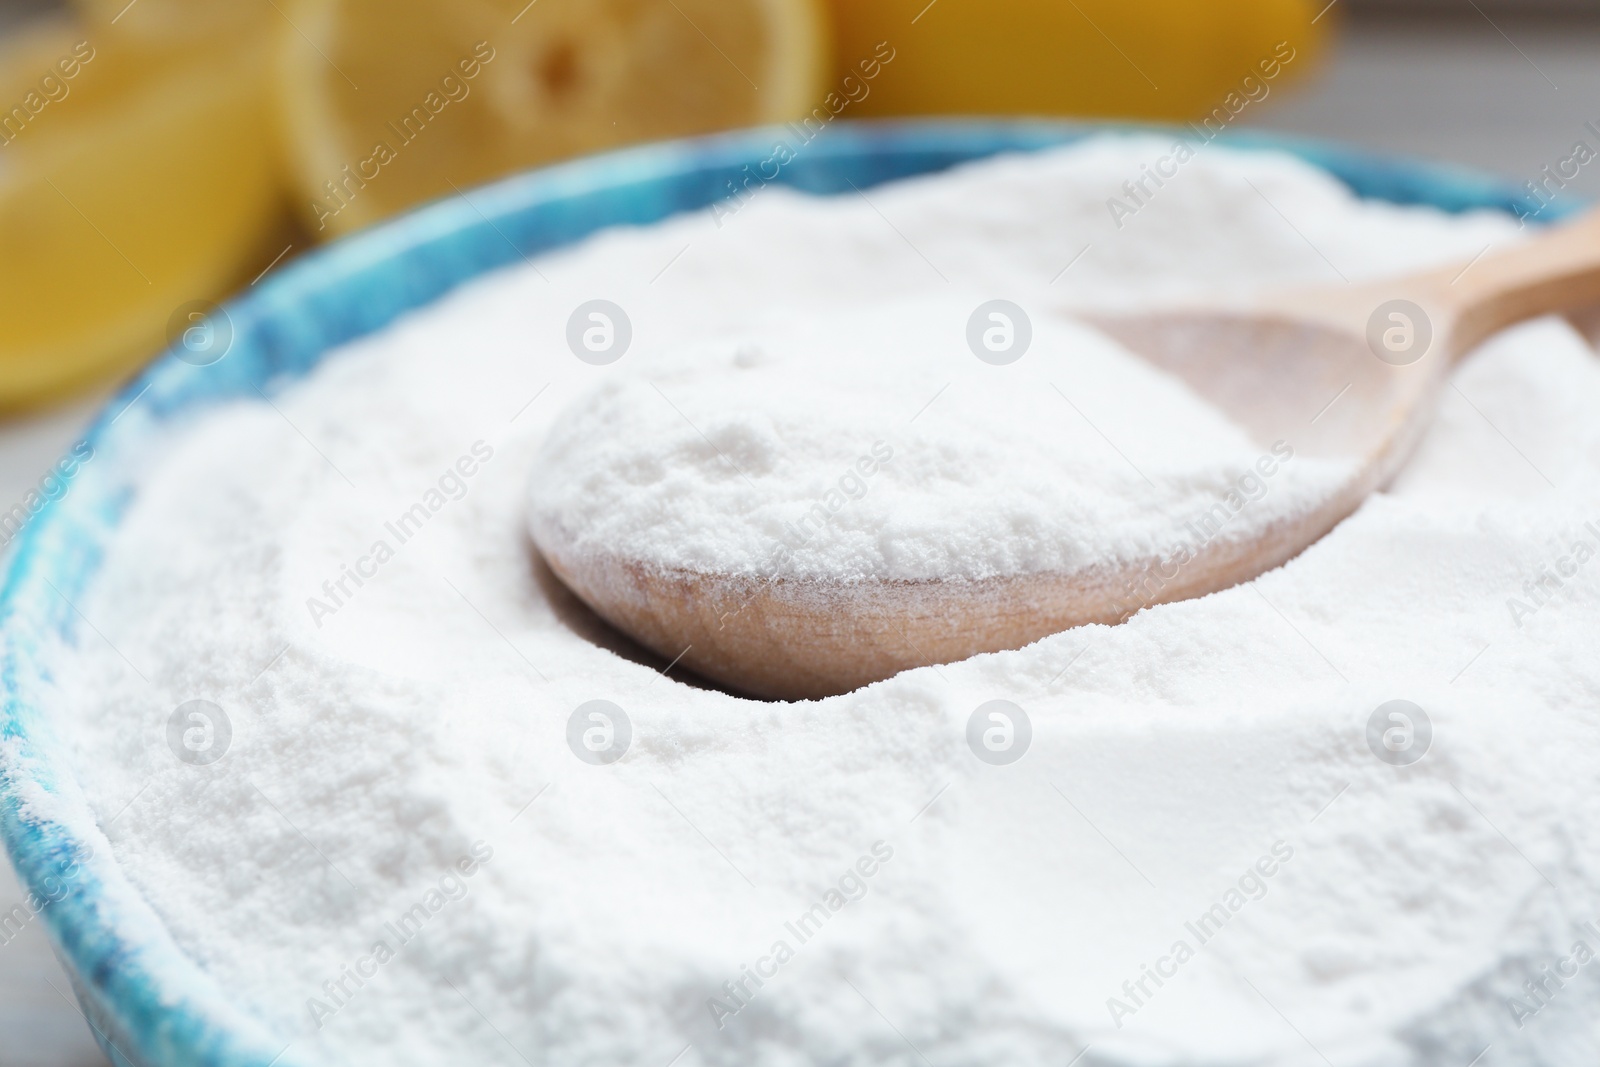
(873, 444)
(1214, 850)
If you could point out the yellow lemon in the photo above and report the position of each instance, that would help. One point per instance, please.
(125, 192)
(1158, 59)
(388, 103)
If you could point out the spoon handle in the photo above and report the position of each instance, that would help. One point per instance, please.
(1558, 270)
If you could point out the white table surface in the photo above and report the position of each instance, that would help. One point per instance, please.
(1508, 100)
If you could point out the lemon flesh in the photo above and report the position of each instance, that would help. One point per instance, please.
(389, 104)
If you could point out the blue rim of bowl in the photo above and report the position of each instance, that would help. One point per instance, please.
(148, 1002)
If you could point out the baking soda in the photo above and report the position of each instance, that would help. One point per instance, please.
(1371, 891)
(720, 460)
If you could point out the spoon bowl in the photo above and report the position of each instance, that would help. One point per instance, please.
(1348, 373)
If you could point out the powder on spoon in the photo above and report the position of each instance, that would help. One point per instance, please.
(873, 444)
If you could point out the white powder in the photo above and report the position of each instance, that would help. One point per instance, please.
(740, 456)
(1207, 757)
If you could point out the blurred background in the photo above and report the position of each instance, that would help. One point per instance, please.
(156, 155)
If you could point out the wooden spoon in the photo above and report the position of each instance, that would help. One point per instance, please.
(1349, 372)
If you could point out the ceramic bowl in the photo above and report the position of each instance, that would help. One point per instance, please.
(149, 1003)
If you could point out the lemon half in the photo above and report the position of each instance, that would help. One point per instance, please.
(134, 188)
(390, 104)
